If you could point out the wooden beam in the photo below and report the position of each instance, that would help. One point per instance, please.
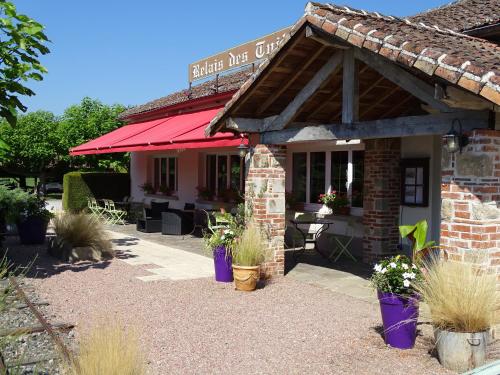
(248, 125)
(317, 36)
(277, 59)
(319, 108)
(307, 91)
(350, 88)
(388, 128)
(402, 78)
(275, 95)
(381, 99)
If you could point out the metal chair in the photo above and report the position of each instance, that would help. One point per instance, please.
(115, 216)
(343, 241)
(95, 209)
(213, 223)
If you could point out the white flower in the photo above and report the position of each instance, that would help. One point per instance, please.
(383, 270)
(393, 265)
(406, 275)
(414, 266)
(406, 283)
(411, 275)
(378, 267)
(405, 266)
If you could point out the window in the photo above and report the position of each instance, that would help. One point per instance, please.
(299, 176)
(339, 165)
(415, 182)
(315, 173)
(317, 179)
(165, 174)
(223, 172)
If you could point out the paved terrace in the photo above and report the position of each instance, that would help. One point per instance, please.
(173, 258)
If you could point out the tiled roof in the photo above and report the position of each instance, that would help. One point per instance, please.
(472, 63)
(226, 83)
(461, 15)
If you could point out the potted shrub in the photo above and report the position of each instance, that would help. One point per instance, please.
(395, 279)
(147, 188)
(248, 253)
(32, 220)
(417, 235)
(165, 190)
(220, 244)
(337, 203)
(205, 193)
(462, 299)
(79, 237)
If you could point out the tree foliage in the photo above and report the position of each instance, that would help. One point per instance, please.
(33, 144)
(85, 121)
(22, 42)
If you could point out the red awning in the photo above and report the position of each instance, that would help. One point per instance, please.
(175, 132)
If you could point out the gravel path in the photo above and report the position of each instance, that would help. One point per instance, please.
(200, 326)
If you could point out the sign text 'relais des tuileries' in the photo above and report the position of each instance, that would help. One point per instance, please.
(244, 54)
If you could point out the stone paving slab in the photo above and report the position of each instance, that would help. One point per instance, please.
(171, 263)
(334, 280)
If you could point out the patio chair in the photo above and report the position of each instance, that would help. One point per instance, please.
(343, 241)
(96, 210)
(175, 222)
(151, 221)
(199, 222)
(115, 216)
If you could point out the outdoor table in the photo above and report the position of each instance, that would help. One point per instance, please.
(323, 224)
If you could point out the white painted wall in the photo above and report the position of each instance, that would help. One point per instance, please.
(422, 147)
(190, 174)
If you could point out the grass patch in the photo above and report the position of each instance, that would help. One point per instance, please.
(109, 349)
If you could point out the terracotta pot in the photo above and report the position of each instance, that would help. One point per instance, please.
(245, 278)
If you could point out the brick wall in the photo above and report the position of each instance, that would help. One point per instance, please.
(381, 198)
(265, 196)
(470, 192)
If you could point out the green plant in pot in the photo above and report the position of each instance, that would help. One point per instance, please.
(463, 304)
(219, 244)
(249, 253)
(147, 188)
(394, 279)
(33, 220)
(417, 235)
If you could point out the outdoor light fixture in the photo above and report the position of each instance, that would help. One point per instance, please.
(243, 149)
(454, 141)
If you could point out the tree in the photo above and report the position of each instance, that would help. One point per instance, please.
(85, 121)
(33, 145)
(21, 44)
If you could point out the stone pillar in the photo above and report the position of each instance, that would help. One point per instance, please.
(470, 194)
(265, 197)
(381, 202)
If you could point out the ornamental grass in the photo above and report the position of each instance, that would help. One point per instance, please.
(461, 297)
(109, 349)
(250, 249)
(82, 230)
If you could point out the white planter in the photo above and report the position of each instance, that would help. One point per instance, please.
(324, 210)
(459, 351)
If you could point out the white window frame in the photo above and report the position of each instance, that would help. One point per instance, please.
(168, 170)
(228, 168)
(340, 146)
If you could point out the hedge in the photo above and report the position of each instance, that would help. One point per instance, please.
(78, 186)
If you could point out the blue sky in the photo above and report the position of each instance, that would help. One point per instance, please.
(130, 52)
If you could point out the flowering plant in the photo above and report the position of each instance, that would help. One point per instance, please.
(328, 199)
(396, 275)
(222, 237)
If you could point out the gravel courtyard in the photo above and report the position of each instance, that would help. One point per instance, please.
(200, 326)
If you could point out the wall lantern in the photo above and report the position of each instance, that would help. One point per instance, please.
(242, 148)
(454, 141)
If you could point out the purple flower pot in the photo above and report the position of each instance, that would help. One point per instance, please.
(223, 265)
(399, 315)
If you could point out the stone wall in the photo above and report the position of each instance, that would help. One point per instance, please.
(382, 187)
(470, 192)
(265, 197)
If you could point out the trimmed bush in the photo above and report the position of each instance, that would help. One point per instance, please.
(78, 186)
